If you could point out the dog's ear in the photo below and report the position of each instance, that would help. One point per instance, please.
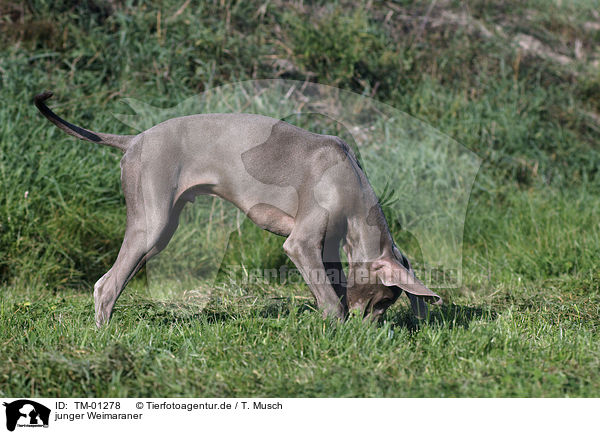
(392, 273)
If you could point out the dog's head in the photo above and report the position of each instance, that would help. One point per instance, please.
(373, 287)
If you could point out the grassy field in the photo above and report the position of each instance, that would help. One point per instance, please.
(517, 83)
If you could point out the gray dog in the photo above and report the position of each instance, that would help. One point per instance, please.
(304, 186)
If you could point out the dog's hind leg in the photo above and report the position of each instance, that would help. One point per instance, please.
(139, 245)
(151, 222)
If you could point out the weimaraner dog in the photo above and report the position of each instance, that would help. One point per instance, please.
(304, 186)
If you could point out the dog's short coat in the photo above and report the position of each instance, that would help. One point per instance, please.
(304, 186)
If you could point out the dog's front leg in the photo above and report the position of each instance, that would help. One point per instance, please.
(304, 247)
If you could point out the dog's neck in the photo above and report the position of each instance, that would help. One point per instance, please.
(368, 237)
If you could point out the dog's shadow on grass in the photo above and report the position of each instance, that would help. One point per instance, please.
(446, 316)
(164, 313)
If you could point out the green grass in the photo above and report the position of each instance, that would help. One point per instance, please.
(525, 321)
(245, 346)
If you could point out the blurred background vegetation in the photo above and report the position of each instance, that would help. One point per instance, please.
(517, 83)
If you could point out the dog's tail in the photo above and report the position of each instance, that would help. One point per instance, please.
(114, 140)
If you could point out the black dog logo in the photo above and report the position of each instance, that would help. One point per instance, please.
(26, 413)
